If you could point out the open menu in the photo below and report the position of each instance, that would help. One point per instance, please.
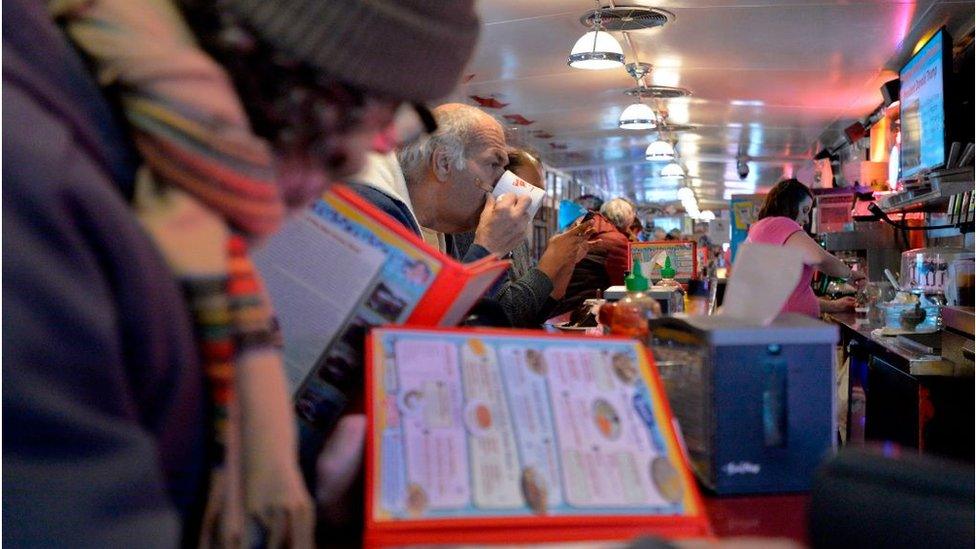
(342, 266)
(493, 436)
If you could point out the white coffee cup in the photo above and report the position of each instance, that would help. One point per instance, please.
(509, 183)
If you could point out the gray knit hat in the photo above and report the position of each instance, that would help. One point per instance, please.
(406, 49)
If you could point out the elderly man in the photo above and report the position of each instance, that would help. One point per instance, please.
(531, 290)
(443, 183)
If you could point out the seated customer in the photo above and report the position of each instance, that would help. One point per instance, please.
(605, 263)
(636, 230)
(443, 182)
(590, 202)
(531, 291)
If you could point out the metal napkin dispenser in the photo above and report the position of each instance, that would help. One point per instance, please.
(671, 300)
(755, 403)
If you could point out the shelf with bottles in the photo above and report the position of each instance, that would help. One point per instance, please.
(940, 192)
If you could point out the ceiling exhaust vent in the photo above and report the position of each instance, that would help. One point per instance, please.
(658, 92)
(628, 18)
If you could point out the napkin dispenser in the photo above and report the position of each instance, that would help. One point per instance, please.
(671, 300)
(754, 403)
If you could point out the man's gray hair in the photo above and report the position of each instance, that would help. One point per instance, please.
(619, 212)
(458, 128)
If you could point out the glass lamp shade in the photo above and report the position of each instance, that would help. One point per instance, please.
(673, 170)
(596, 50)
(638, 116)
(659, 150)
(685, 194)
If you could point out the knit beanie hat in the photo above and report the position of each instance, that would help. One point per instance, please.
(405, 49)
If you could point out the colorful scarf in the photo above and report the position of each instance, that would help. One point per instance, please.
(206, 189)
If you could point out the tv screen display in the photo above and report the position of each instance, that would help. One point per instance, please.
(923, 132)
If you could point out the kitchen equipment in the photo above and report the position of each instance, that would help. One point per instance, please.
(755, 403)
(671, 300)
(961, 319)
(891, 278)
(870, 295)
(920, 315)
(926, 270)
(876, 243)
(912, 317)
(960, 283)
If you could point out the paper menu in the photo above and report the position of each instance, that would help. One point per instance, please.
(326, 292)
(511, 183)
(483, 425)
(323, 306)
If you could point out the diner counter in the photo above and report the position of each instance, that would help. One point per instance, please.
(782, 516)
(913, 361)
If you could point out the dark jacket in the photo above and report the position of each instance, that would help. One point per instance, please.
(605, 265)
(103, 399)
(525, 299)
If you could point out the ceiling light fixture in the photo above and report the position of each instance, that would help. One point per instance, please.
(659, 151)
(673, 170)
(597, 49)
(707, 215)
(638, 116)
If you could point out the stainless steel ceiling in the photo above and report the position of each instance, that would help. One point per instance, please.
(770, 78)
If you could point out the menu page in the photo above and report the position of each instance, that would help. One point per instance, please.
(332, 272)
(314, 294)
(481, 425)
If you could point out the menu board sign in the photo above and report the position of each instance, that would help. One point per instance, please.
(682, 253)
(923, 109)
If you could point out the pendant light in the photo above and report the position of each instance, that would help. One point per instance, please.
(638, 116)
(659, 151)
(673, 171)
(597, 49)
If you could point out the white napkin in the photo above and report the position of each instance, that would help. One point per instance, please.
(763, 277)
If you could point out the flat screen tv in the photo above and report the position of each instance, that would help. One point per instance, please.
(923, 106)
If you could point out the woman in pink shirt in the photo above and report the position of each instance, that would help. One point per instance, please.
(780, 222)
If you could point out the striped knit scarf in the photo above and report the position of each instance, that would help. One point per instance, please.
(206, 188)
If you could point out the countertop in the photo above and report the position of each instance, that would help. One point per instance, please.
(916, 362)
